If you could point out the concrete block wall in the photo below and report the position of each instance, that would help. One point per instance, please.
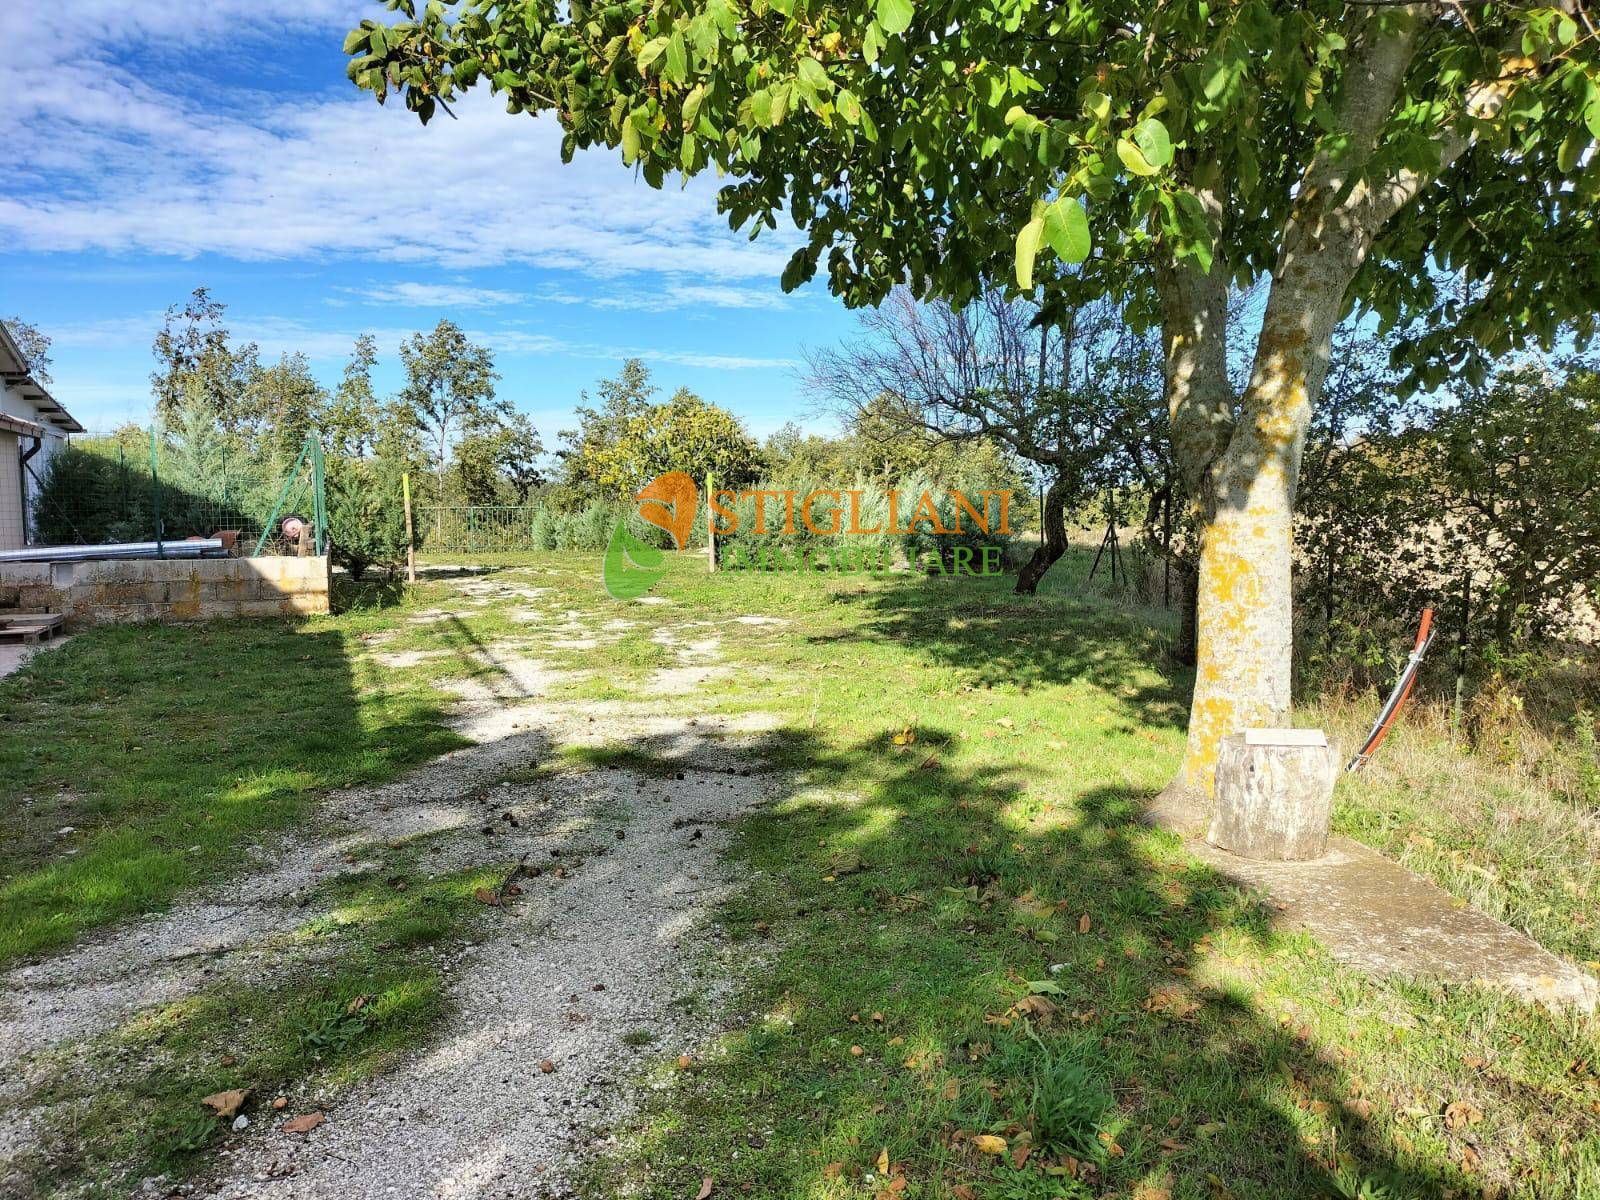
(154, 589)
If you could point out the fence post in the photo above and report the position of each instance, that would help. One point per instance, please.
(411, 541)
(283, 496)
(155, 492)
(319, 498)
(1461, 651)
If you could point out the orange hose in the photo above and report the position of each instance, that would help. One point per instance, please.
(1383, 730)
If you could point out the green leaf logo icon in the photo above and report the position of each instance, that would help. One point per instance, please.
(631, 567)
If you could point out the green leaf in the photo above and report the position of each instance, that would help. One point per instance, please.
(894, 15)
(1150, 135)
(872, 43)
(677, 58)
(630, 142)
(651, 50)
(849, 107)
(692, 103)
(1027, 251)
(1572, 148)
(761, 107)
(378, 40)
(1066, 228)
(815, 76)
(355, 38)
(1133, 158)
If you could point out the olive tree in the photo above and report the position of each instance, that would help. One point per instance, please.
(1343, 150)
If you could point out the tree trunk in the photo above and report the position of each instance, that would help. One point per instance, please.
(1243, 463)
(1273, 798)
(1244, 631)
(1186, 649)
(1053, 545)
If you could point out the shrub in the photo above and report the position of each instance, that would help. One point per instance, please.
(366, 518)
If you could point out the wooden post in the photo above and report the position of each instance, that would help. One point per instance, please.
(711, 529)
(411, 541)
(1274, 794)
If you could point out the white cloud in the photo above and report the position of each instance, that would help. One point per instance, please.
(321, 343)
(672, 295)
(437, 295)
(101, 158)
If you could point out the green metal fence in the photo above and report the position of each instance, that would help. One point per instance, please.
(171, 485)
(482, 527)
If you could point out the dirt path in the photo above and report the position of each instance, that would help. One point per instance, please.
(592, 970)
(584, 963)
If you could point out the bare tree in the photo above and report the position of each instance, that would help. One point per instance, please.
(1078, 397)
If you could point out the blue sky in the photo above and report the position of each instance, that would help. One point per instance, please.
(154, 147)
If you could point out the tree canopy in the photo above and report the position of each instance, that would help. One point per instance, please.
(939, 144)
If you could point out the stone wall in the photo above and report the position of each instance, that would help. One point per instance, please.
(112, 591)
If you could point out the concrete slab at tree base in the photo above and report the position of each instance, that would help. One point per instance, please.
(1373, 914)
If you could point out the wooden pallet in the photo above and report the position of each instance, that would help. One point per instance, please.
(30, 627)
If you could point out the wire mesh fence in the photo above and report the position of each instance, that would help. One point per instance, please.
(170, 485)
(481, 528)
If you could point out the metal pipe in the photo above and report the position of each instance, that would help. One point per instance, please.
(199, 548)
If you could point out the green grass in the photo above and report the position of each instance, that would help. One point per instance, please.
(1185, 1046)
(954, 927)
(140, 762)
(350, 992)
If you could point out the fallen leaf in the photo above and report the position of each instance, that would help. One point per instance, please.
(1460, 1115)
(546, 1066)
(1153, 1191)
(856, 1051)
(905, 737)
(706, 1185)
(1084, 924)
(1361, 1109)
(831, 1171)
(1019, 1156)
(484, 896)
(227, 1060)
(883, 1161)
(962, 1192)
(281, 1102)
(226, 1104)
(1036, 1007)
(303, 1124)
(846, 862)
(989, 1143)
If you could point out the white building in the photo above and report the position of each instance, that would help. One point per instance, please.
(33, 428)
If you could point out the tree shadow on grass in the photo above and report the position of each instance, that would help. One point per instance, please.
(996, 639)
(957, 959)
(141, 761)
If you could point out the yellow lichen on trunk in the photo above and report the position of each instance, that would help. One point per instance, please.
(1244, 629)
